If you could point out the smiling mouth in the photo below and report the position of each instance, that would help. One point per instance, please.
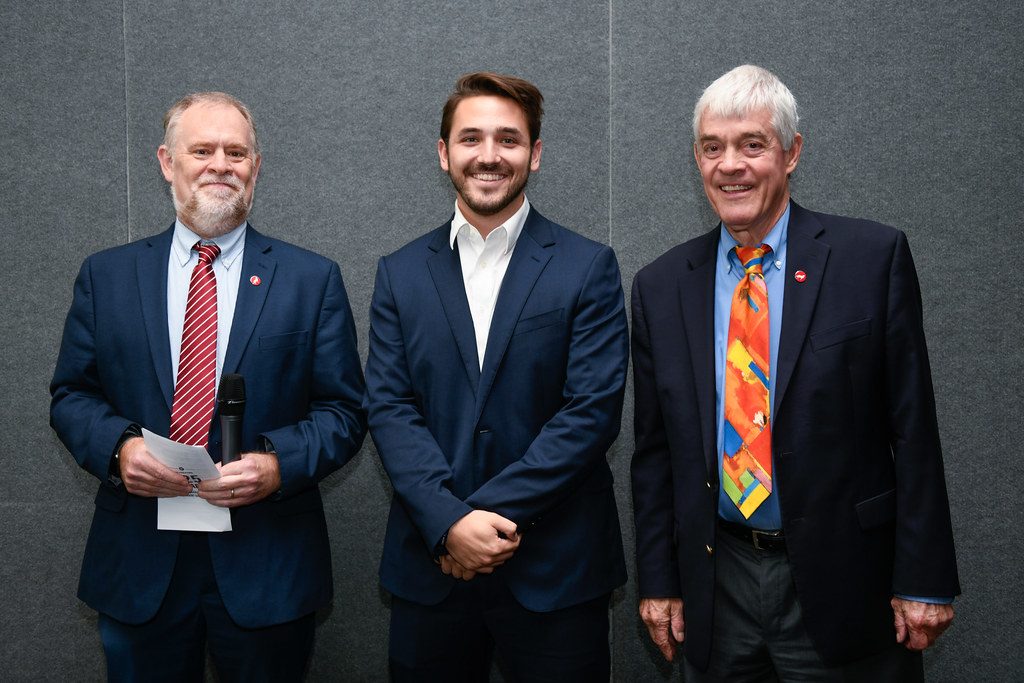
(488, 177)
(735, 188)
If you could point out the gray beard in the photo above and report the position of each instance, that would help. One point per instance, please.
(212, 216)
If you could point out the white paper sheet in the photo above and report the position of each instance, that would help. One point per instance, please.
(186, 513)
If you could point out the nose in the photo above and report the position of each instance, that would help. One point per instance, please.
(489, 153)
(732, 161)
(218, 162)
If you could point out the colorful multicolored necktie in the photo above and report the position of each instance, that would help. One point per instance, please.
(747, 443)
(196, 387)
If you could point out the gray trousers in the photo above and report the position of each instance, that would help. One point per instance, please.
(769, 642)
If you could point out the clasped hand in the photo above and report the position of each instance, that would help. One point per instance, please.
(478, 543)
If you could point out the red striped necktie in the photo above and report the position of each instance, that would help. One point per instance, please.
(197, 366)
(747, 442)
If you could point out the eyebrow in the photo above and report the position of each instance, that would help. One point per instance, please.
(504, 130)
(760, 135)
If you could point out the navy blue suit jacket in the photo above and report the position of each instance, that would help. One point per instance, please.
(526, 437)
(854, 435)
(293, 340)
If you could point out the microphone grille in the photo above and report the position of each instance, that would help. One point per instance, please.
(231, 394)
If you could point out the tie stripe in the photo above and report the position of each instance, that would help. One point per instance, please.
(747, 442)
(195, 389)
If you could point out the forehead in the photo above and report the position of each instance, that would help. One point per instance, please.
(758, 122)
(213, 121)
(488, 111)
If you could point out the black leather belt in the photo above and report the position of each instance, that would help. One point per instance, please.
(761, 540)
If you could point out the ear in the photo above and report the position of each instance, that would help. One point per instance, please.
(442, 154)
(793, 153)
(696, 154)
(256, 167)
(538, 147)
(164, 155)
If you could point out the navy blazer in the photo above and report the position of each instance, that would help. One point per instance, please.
(294, 341)
(854, 435)
(526, 437)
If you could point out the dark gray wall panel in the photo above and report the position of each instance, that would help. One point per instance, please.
(911, 117)
(62, 151)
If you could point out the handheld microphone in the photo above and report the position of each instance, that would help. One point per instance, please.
(231, 404)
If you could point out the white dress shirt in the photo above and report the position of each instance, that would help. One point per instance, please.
(484, 262)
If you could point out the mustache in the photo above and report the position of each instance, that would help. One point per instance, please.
(222, 178)
(497, 167)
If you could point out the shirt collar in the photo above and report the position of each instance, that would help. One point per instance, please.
(776, 239)
(513, 227)
(230, 244)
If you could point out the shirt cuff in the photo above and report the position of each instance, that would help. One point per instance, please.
(929, 600)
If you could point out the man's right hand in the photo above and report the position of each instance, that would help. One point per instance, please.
(144, 475)
(664, 620)
(482, 540)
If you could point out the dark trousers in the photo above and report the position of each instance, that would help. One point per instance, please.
(759, 633)
(172, 645)
(455, 640)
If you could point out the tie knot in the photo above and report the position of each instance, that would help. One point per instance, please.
(207, 252)
(752, 258)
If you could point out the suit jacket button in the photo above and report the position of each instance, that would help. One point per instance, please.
(708, 484)
(711, 551)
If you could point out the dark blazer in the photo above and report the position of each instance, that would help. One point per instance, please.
(293, 340)
(854, 437)
(526, 437)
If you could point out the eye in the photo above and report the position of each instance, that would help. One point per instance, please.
(469, 139)
(200, 151)
(711, 149)
(237, 154)
(509, 141)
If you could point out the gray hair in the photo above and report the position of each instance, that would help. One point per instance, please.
(747, 89)
(173, 114)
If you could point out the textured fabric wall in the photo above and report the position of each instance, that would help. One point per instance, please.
(910, 114)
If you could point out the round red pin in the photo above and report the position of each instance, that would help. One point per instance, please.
(799, 276)
(255, 280)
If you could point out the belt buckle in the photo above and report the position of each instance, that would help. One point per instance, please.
(757, 534)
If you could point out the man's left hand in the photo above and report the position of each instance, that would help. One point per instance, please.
(919, 624)
(245, 481)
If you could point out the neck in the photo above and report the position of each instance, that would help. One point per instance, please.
(753, 235)
(486, 224)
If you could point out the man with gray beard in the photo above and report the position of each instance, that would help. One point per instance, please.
(152, 327)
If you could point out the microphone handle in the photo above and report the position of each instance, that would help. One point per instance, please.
(231, 430)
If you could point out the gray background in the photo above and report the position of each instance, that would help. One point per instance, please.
(911, 115)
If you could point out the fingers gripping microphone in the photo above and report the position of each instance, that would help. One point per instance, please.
(231, 404)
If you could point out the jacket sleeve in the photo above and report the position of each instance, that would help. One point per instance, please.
(419, 471)
(925, 561)
(651, 471)
(80, 413)
(335, 425)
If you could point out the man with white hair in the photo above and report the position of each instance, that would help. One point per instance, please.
(152, 327)
(791, 512)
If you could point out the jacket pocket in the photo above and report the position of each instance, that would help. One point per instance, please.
(283, 341)
(842, 333)
(535, 322)
(877, 510)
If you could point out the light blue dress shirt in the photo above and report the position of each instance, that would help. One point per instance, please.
(728, 273)
(227, 269)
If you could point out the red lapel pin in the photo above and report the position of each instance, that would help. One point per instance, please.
(799, 276)
(255, 280)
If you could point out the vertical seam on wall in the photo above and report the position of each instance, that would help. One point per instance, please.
(610, 119)
(127, 147)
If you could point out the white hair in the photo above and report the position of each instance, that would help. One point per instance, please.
(748, 89)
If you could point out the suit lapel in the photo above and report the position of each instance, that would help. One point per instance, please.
(446, 271)
(529, 258)
(151, 272)
(697, 304)
(804, 252)
(257, 261)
